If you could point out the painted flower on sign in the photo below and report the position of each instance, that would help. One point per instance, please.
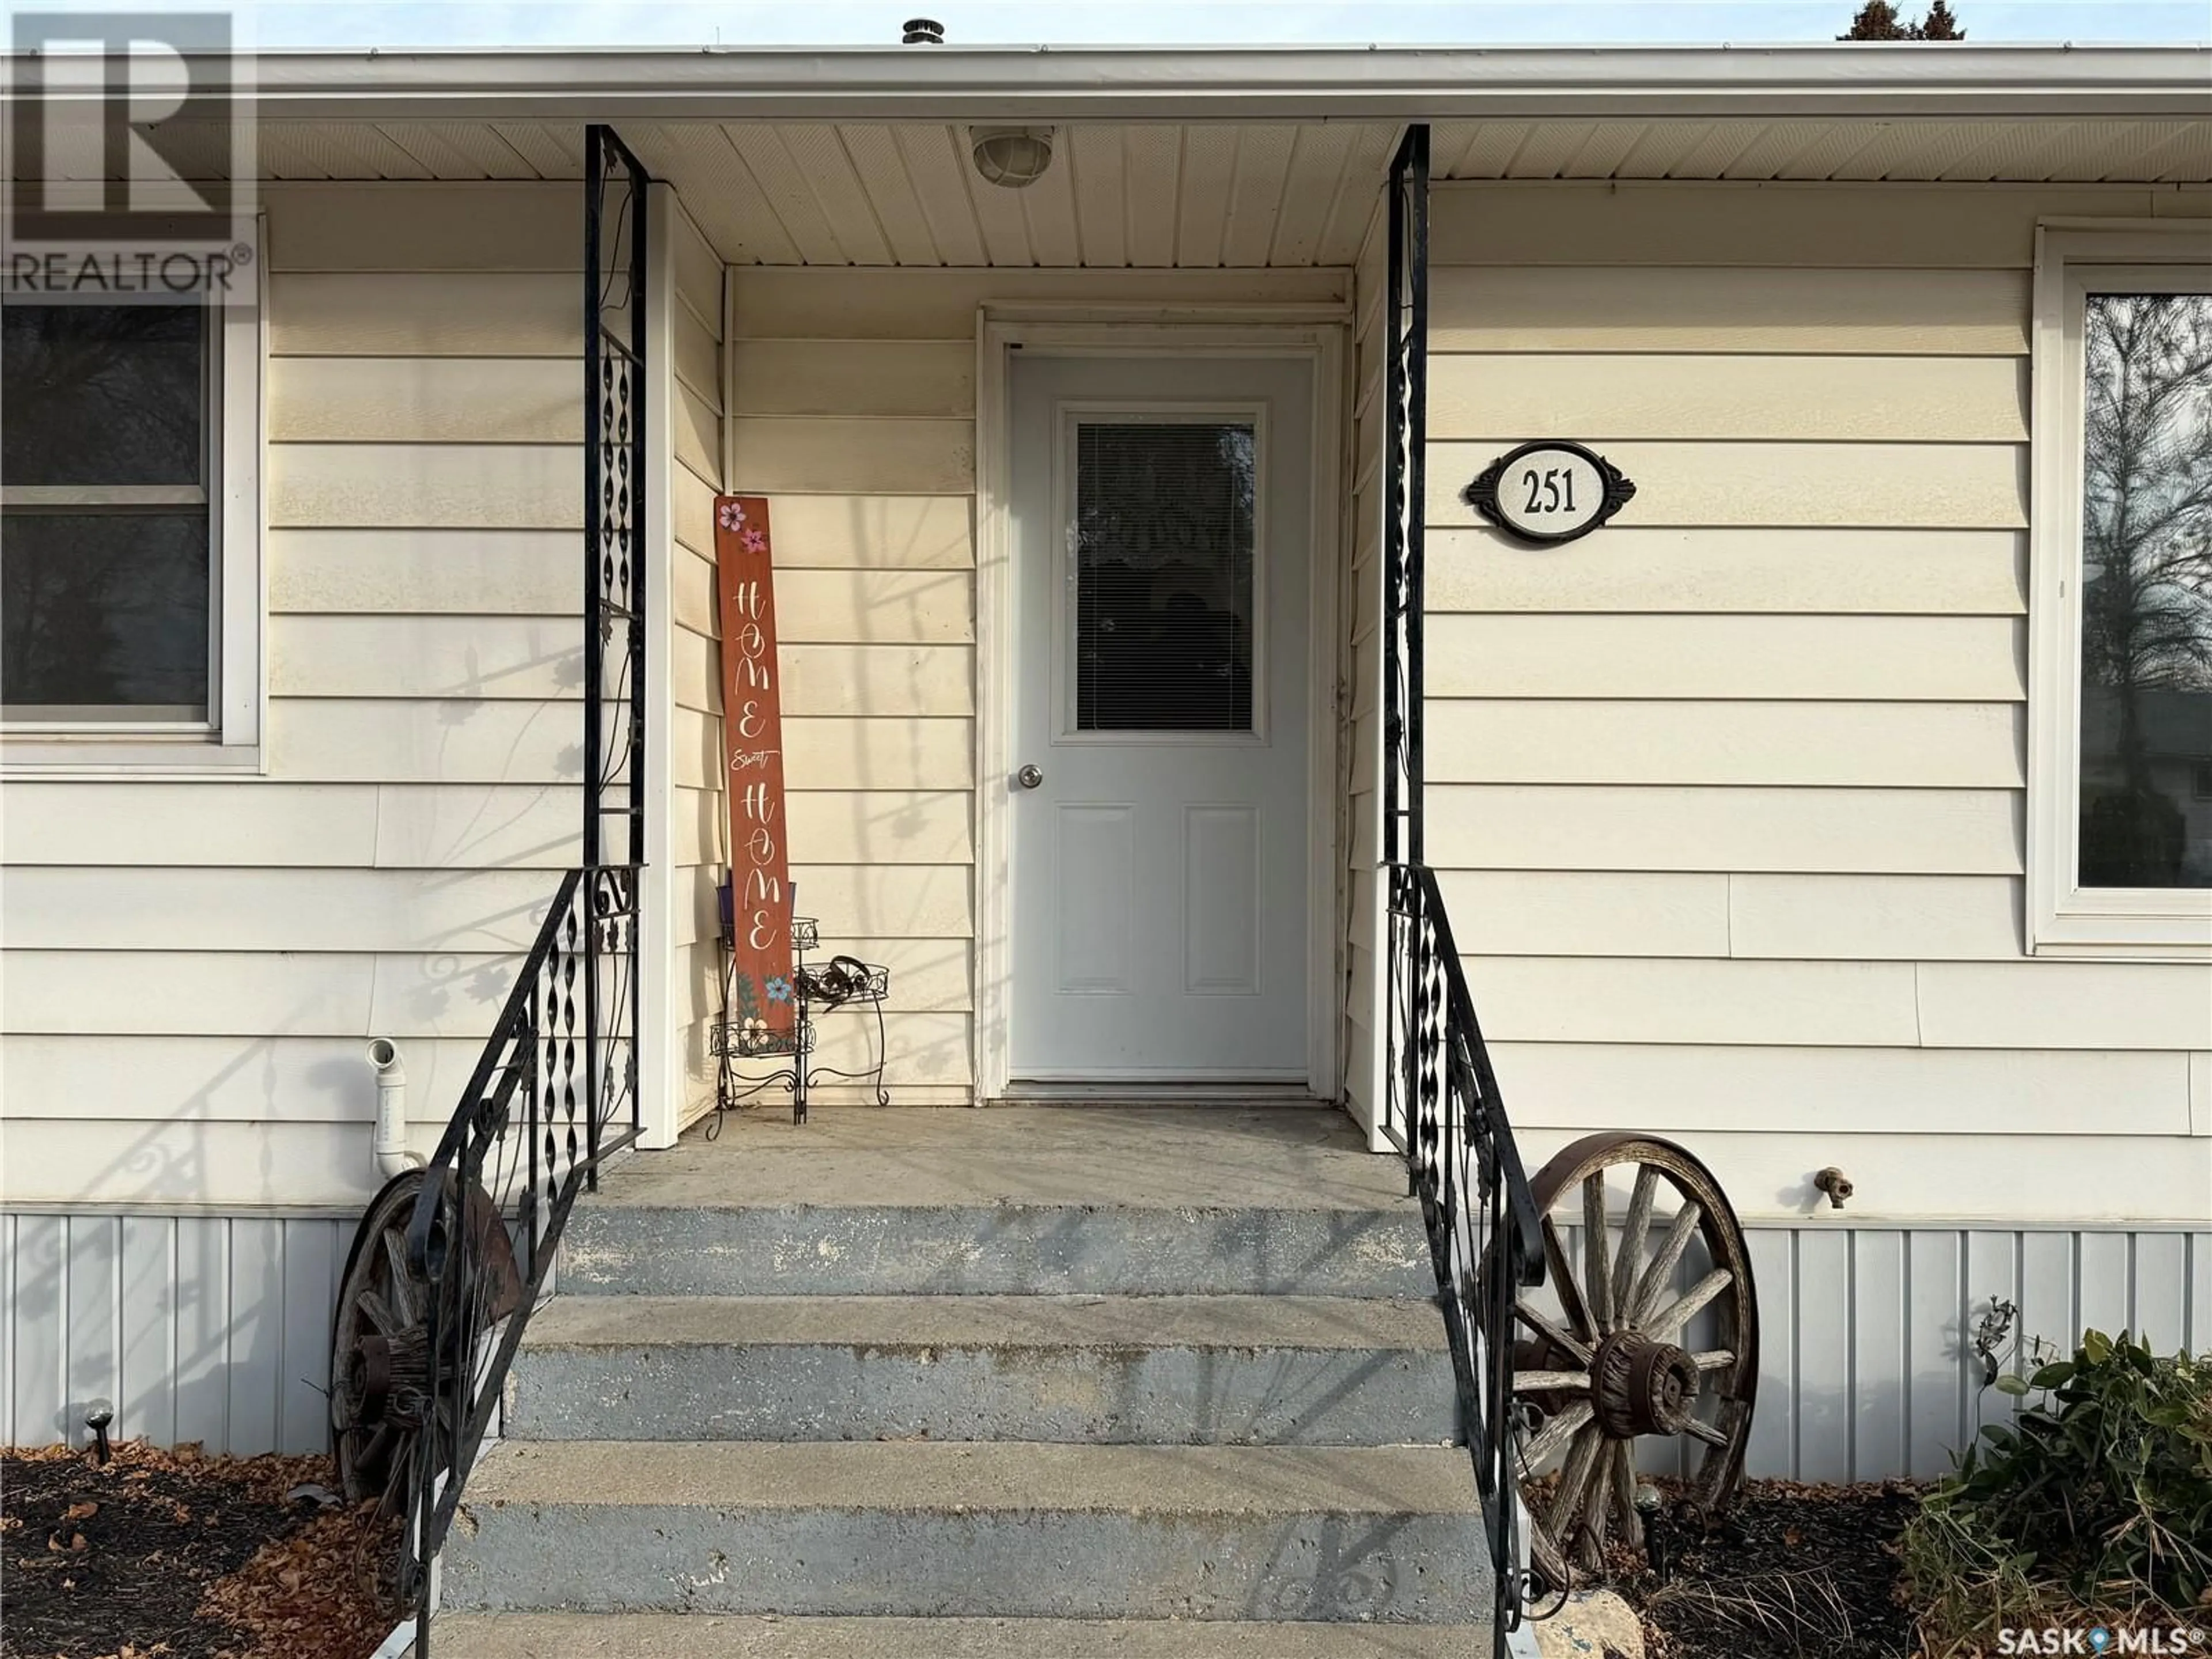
(733, 516)
(755, 541)
(779, 990)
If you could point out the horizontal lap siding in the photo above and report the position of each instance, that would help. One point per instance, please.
(694, 723)
(1360, 713)
(1729, 797)
(193, 967)
(867, 451)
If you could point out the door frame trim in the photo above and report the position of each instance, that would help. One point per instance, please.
(1314, 334)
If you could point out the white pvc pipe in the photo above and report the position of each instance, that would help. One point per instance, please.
(391, 1153)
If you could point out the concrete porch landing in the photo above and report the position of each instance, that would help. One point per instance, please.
(1182, 1157)
(1020, 1200)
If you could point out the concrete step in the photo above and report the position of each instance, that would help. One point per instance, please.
(1013, 1200)
(1160, 1369)
(1017, 1250)
(929, 1529)
(707, 1636)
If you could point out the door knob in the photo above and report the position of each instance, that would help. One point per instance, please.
(1029, 777)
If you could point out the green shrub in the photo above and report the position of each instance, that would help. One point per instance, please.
(2097, 1496)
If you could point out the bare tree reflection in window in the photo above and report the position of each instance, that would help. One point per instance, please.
(2146, 590)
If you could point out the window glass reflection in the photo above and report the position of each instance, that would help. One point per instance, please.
(1163, 576)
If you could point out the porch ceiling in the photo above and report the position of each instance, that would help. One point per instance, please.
(1192, 194)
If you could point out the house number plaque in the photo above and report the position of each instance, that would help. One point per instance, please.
(1546, 493)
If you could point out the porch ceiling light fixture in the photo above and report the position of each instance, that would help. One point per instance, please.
(1011, 157)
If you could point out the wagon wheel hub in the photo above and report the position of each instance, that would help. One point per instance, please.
(387, 1377)
(1642, 1387)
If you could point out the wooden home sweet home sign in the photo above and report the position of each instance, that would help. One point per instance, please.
(752, 759)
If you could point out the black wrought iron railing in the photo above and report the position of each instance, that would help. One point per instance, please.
(555, 1093)
(552, 1097)
(1442, 1105)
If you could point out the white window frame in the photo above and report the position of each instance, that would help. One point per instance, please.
(2065, 919)
(230, 738)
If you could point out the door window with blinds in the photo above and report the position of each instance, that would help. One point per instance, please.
(109, 428)
(1160, 629)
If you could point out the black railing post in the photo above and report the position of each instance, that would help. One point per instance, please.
(599, 405)
(1406, 378)
(618, 431)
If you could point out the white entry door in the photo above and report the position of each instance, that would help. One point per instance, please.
(1161, 810)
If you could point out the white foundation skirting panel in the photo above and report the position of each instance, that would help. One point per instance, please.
(212, 1327)
(1867, 1368)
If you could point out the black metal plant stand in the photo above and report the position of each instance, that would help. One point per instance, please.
(841, 982)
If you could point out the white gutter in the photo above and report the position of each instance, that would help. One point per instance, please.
(1240, 83)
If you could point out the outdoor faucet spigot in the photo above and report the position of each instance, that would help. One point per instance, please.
(1834, 1182)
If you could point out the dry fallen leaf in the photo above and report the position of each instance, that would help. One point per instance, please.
(83, 1511)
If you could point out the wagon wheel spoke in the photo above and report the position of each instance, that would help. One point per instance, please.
(398, 1280)
(1597, 1502)
(1597, 1282)
(1706, 1432)
(1582, 1463)
(1545, 1555)
(1551, 1382)
(1676, 1314)
(1563, 1279)
(1633, 1233)
(1554, 1434)
(1553, 1332)
(1714, 1359)
(1624, 1493)
(1663, 1266)
(380, 1314)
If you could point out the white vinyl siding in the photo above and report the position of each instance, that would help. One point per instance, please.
(193, 967)
(1729, 797)
(866, 452)
(697, 833)
(1359, 696)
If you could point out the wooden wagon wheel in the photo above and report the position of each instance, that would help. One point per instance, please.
(380, 1400)
(1614, 1363)
(380, 1355)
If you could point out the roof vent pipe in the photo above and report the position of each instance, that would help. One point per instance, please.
(922, 32)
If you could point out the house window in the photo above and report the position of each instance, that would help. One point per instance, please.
(130, 577)
(2120, 841)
